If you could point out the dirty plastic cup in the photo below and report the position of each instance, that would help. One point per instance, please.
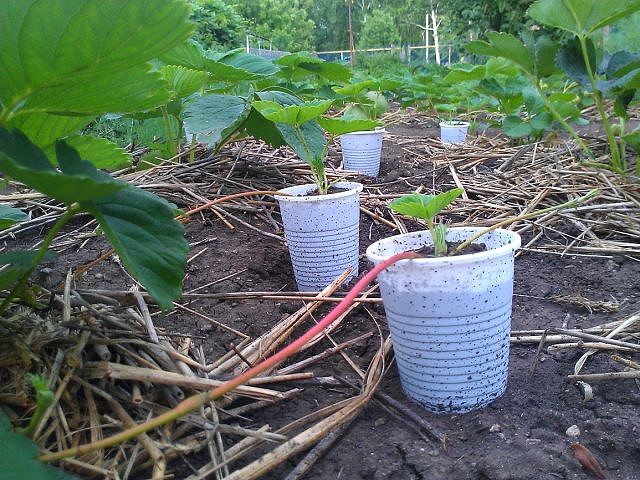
(361, 151)
(450, 318)
(453, 132)
(322, 232)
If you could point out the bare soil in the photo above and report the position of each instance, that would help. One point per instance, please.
(520, 436)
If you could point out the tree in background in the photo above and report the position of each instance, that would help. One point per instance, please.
(218, 24)
(284, 22)
(473, 18)
(380, 29)
(331, 24)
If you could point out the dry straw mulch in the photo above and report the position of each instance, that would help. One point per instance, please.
(110, 367)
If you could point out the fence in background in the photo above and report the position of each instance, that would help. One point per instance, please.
(263, 47)
(409, 54)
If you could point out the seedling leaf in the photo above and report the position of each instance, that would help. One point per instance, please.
(424, 206)
(311, 131)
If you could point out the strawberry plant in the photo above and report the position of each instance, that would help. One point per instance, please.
(540, 58)
(63, 66)
(300, 125)
(364, 100)
(50, 89)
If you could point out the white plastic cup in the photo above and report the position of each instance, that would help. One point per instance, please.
(322, 233)
(361, 151)
(450, 318)
(453, 132)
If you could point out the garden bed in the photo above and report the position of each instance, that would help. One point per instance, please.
(578, 269)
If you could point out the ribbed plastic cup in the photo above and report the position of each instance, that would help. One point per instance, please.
(453, 132)
(450, 318)
(361, 151)
(322, 233)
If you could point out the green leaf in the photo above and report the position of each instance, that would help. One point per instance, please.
(80, 180)
(294, 115)
(213, 118)
(423, 206)
(258, 127)
(571, 61)
(22, 258)
(183, 81)
(466, 73)
(18, 461)
(44, 129)
(622, 63)
(510, 96)
(313, 136)
(515, 127)
(352, 90)
(299, 65)
(189, 54)
(533, 102)
(566, 104)
(10, 216)
(254, 64)
(355, 112)
(633, 140)
(507, 46)
(545, 52)
(542, 121)
(147, 238)
(622, 102)
(340, 126)
(581, 17)
(125, 91)
(86, 56)
(311, 131)
(99, 151)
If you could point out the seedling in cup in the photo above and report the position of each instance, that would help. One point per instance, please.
(426, 207)
(296, 116)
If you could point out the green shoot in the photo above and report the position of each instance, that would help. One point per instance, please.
(44, 398)
(426, 207)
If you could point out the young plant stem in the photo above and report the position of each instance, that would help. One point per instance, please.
(617, 162)
(44, 398)
(570, 204)
(196, 401)
(439, 247)
(319, 178)
(171, 143)
(583, 146)
(46, 243)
